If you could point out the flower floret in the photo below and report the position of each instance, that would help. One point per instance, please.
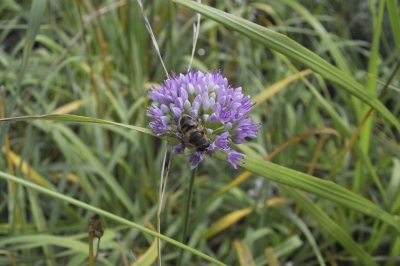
(194, 159)
(234, 158)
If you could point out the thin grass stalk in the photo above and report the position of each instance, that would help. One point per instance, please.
(310, 171)
(93, 82)
(393, 10)
(34, 21)
(89, 60)
(160, 200)
(14, 217)
(90, 243)
(196, 31)
(127, 26)
(103, 49)
(163, 184)
(371, 86)
(40, 224)
(186, 213)
(153, 38)
(134, 257)
(171, 35)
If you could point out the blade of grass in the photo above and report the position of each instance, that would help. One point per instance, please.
(104, 214)
(186, 213)
(393, 10)
(331, 227)
(280, 174)
(243, 253)
(294, 51)
(41, 225)
(345, 130)
(34, 21)
(316, 186)
(306, 231)
(366, 131)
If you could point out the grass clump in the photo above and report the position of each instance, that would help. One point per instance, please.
(321, 181)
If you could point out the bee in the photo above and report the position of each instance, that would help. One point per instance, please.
(192, 133)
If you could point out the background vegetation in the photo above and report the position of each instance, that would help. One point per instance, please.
(96, 59)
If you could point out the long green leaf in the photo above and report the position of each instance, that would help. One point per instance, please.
(393, 10)
(322, 188)
(34, 21)
(277, 173)
(307, 233)
(331, 227)
(294, 51)
(103, 213)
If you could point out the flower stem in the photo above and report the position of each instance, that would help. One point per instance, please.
(187, 212)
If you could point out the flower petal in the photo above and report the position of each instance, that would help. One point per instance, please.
(179, 148)
(234, 158)
(194, 159)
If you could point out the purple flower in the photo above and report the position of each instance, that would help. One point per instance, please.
(222, 142)
(194, 159)
(218, 112)
(234, 158)
(179, 148)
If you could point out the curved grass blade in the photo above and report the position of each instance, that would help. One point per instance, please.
(316, 186)
(149, 256)
(103, 213)
(294, 51)
(34, 20)
(235, 216)
(243, 253)
(279, 174)
(307, 233)
(393, 10)
(331, 227)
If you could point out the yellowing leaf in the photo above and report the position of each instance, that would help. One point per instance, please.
(235, 216)
(26, 169)
(244, 255)
(275, 88)
(68, 108)
(226, 221)
(70, 177)
(271, 258)
(149, 257)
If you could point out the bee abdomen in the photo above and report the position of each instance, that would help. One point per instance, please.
(196, 136)
(204, 146)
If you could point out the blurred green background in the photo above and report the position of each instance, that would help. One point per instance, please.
(95, 58)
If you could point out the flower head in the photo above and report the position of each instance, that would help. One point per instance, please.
(212, 110)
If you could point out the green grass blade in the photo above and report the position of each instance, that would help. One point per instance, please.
(34, 20)
(330, 226)
(326, 38)
(306, 231)
(103, 213)
(393, 10)
(366, 132)
(280, 174)
(316, 186)
(294, 51)
(40, 223)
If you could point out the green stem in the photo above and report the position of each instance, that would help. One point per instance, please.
(187, 212)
